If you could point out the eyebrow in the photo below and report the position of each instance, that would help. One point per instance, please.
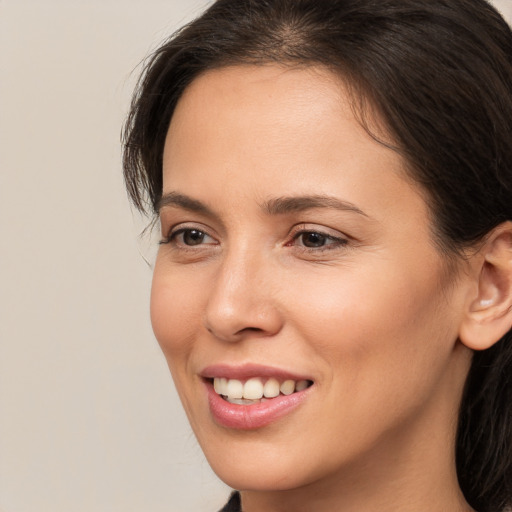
(274, 206)
(182, 201)
(284, 205)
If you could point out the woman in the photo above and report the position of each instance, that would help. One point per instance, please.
(333, 289)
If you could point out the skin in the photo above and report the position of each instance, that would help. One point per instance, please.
(369, 315)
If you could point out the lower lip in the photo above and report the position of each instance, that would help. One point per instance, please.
(250, 417)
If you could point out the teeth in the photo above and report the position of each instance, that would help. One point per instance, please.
(221, 386)
(241, 401)
(301, 385)
(271, 388)
(234, 389)
(287, 387)
(254, 390)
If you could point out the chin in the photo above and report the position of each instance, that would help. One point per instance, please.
(255, 462)
(245, 476)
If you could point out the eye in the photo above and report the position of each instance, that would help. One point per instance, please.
(192, 236)
(188, 237)
(312, 240)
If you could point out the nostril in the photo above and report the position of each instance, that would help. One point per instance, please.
(250, 329)
(248, 319)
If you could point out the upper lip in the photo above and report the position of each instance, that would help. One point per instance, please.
(248, 371)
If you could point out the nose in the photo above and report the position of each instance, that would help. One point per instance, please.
(243, 300)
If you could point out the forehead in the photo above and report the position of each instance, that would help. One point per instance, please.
(273, 130)
(244, 83)
(272, 102)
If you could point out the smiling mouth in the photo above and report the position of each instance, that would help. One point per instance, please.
(256, 390)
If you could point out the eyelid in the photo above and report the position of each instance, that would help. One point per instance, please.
(298, 229)
(181, 227)
(338, 240)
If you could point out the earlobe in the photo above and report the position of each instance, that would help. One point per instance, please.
(489, 314)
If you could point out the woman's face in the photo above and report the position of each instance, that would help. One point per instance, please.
(296, 250)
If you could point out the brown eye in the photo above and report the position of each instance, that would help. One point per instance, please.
(193, 237)
(312, 239)
(188, 237)
(317, 241)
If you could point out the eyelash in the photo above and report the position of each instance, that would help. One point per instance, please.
(335, 242)
(171, 238)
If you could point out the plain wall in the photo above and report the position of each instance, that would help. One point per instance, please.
(89, 419)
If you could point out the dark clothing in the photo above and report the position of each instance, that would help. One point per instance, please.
(233, 505)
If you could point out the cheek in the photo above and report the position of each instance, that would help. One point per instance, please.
(175, 318)
(381, 342)
(175, 311)
(384, 323)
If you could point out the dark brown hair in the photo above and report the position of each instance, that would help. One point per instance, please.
(439, 72)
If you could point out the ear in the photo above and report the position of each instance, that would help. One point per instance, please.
(489, 312)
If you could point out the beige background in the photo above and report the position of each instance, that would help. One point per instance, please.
(89, 420)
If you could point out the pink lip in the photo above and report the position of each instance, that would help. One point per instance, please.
(250, 417)
(248, 371)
